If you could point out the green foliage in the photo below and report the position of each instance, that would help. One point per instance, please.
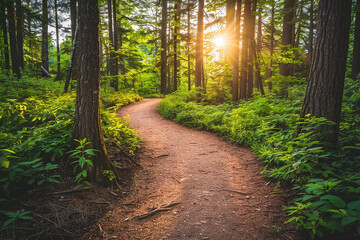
(328, 181)
(36, 122)
(13, 216)
(82, 161)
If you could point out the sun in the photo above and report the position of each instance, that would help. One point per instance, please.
(219, 41)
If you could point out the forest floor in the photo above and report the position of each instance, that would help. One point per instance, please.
(193, 185)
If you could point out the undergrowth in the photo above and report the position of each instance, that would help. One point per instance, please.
(327, 180)
(36, 121)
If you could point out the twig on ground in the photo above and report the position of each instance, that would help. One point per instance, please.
(234, 191)
(156, 210)
(68, 191)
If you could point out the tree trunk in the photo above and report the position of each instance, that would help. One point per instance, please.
(356, 49)
(257, 51)
(163, 46)
(169, 77)
(245, 49)
(199, 51)
(272, 32)
(251, 50)
(12, 35)
(71, 63)
(44, 38)
(115, 43)
(311, 32)
(57, 42)
(287, 40)
(188, 44)
(324, 91)
(176, 42)
(87, 115)
(110, 62)
(19, 31)
(229, 32)
(5, 36)
(235, 82)
(75, 42)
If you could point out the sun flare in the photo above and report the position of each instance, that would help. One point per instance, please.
(219, 41)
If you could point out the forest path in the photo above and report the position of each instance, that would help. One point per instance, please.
(217, 185)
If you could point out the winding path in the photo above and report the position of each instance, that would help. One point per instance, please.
(218, 187)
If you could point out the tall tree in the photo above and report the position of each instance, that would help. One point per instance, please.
(5, 35)
(110, 62)
(163, 46)
(251, 56)
(12, 34)
(287, 40)
(324, 91)
(229, 32)
(188, 43)
(19, 32)
(44, 38)
(356, 49)
(74, 22)
(115, 43)
(257, 51)
(87, 115)
(245, 49)
(176, 42)
(311, 32)
(235, 82)
(58, 72)
(272, 40)
(199, 51)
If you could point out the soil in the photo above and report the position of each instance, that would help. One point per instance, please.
(192, 185)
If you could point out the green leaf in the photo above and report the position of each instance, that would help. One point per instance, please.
(5, 163)
(348, 220)
(317, 204)
(7, 222)
(90, 151)
(355, 205)
(336, 201)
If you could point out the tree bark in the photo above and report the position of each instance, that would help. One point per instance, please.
(12, 35)
(250, 88)
(272, 32)
(87, 115)
(199, 51)
(163, 46)
(355, 70)
(257, 51)
(5, 36)
(245, 49)
(325, 87)
(19, 31)
(229, 32)
(58, 72)
(75, 42)
(176, 42)
(311, 32)
(115, 43)
(235, 82)
(287, 40)
(44, 38)
(188, 44)
(71, 62)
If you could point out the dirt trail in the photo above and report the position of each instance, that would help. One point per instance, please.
(220, 192)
